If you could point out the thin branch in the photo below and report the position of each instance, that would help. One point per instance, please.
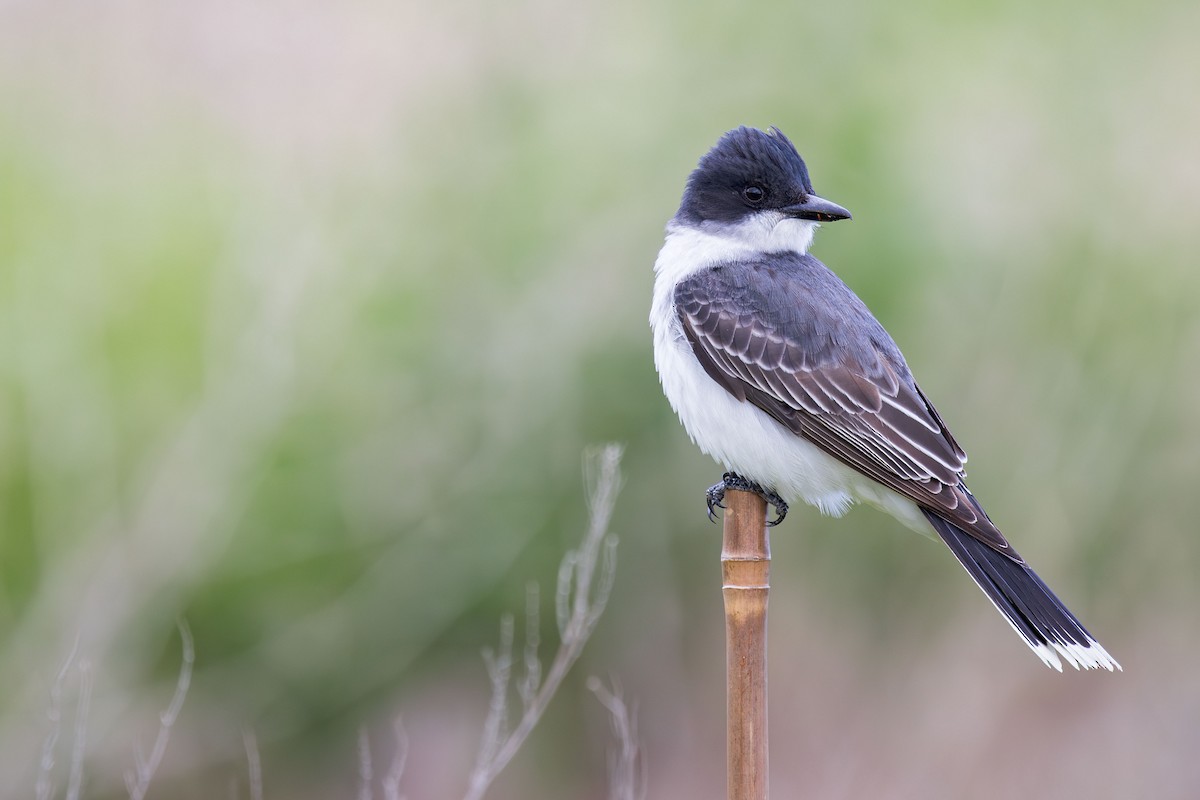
(608, 574)
(137, 780)
(81, 714)
(578, 608)
(391, 781)
(626, 768)
(495, 727)
(253, 764)
(527, 688)
(45, 779)
(365, 776)
(562, 594)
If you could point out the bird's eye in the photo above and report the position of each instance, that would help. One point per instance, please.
(754, 195)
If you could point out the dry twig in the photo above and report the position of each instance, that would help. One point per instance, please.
(137, 780)
(578, 606)
(626, 769)
(75, 782)
(253, 764)
(365, 773)
(44, 786)
(391, 781)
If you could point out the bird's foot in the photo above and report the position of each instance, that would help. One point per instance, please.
(731, 480)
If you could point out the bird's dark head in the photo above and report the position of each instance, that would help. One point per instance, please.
(753, 175)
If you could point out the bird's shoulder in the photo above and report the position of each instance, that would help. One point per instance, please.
(795, 302)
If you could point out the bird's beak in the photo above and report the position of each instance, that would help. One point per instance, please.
(818, 209)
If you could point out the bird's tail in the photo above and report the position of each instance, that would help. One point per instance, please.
(1030, 607)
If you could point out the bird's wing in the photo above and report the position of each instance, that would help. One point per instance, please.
(789, 337)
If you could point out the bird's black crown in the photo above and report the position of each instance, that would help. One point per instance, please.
(745, 171)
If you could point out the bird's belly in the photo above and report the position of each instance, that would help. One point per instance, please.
(744, 438)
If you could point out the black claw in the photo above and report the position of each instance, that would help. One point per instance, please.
(781, 509)
(731, 480)
(713, 497)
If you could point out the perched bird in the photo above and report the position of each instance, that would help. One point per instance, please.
(778, 371)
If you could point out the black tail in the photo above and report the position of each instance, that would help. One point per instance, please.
(1028, 604)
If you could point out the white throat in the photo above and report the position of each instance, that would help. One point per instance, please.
(767, 231)
(689, 248)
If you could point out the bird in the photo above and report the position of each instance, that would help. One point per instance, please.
(780, 372)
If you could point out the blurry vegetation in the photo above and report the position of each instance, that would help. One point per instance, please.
(306, 315)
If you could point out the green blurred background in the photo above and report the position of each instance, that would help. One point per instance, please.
(308, 311)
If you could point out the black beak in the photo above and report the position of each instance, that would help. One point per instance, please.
(818, 209)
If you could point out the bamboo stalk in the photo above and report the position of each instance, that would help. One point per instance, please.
(745, 568)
